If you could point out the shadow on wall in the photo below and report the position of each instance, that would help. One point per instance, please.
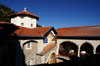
(76, 61)
(11, 53)
(7, 29)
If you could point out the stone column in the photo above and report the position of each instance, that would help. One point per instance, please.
(94, 51)
(57, 51)
(78, 51)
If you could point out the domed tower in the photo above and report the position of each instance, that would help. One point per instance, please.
(24, 19)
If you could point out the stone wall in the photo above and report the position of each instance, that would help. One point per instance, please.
(48, 53)
(30, 53)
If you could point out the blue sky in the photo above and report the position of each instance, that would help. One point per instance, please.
(60, 13)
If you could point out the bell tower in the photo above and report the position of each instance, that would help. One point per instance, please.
(24, 18)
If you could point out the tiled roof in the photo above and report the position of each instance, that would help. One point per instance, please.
(48, 47)
(26, 32)
(24, 13)
(42, 30)
(11, 29)
(79, 31)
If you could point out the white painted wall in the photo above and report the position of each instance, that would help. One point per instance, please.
(50, 39)
(27, 21)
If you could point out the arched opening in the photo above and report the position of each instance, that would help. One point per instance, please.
(7, 53)
(98, 50)
(97, 55)
(52, 59)
(86, 51)
(68, 49)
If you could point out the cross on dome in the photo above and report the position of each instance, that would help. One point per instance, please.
(25, 9)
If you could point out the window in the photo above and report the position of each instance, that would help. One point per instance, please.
(32, 22)
(22, 21)
(31, 25)
(22, 24)
(45, 40)
(28, 45)
(28, 63)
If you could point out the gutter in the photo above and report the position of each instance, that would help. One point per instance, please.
(29, 36)
(20, 36)
(77, 36)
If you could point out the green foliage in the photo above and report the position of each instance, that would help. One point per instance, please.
(65, 50)
(38, 25)
(4, 12)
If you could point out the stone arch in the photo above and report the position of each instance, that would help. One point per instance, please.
(98, 49)
(69, 48)
(86, 49)
(7, 52)
(49, 59)
(29, 41)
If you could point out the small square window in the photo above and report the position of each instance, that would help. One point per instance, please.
(45, 40)
(28, 45)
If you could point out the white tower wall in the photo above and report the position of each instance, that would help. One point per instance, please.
(28, 22)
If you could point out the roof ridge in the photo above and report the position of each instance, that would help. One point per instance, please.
(21, 31)
(38, 32)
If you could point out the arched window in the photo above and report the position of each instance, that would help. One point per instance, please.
(45, 40)
(28, 45)
(31, 25)
(22, 21)
(22, 24)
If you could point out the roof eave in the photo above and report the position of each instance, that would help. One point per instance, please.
(20, 37)
(50, 30)
(14, 15)
(77, 36)
(27, 36)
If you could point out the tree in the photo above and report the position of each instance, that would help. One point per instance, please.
(5, 11)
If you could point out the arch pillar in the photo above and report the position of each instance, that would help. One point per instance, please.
(78, 50)
(57, 51)
(94, 51)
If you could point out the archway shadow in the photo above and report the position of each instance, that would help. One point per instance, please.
(10, 49)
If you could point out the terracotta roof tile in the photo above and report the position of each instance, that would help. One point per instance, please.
(79, 31)
(42, 30)
(26, 31)
(48, 47)
(24, 13)
(11, 29)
